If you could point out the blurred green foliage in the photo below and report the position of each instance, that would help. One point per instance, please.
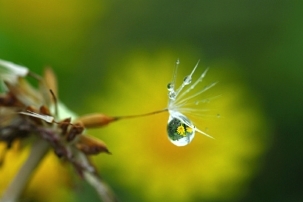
(88, 42)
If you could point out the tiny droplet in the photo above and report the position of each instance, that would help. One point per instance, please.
(187, 80)
(170, 86)
(172, 95)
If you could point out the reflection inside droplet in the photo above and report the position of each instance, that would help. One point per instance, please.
(180, 130)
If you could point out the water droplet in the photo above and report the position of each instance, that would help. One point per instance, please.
(187, 80)
(178, 62)
(179, 133)
(218, 115)
(197, 102)
(170, 86)
(172, 95)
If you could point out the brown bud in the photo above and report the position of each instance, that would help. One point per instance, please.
(91, 146)
(44, 110)
(75, 130)
(95, 120)
(31, 108)
(64, 125)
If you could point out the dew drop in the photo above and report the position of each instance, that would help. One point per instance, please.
(187, 80)
(179, 133)
(218, 115)
(170, 86)
(172, 95)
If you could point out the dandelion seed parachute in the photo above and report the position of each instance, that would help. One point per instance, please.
(181, 129)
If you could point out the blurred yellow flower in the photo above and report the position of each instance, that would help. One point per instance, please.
(50, 182)
(147, 165)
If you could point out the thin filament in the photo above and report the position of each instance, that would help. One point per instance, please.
(205, 100)
(203, 133)
(141, 115)
(190, 76)
(194, 85)
(198, 93)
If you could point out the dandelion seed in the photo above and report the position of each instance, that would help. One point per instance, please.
(181, 129)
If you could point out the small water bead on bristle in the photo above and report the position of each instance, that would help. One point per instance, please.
(187, 80)
(170, 87)
(171, 91)
(172, 95)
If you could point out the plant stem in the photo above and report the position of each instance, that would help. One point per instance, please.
(15, 189)
(102, 189)
(141, 115)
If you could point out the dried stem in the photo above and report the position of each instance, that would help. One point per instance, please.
(102, 189)
(140, 115)
(15, 189)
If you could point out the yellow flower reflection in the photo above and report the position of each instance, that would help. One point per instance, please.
(147, 165)
(181, 130)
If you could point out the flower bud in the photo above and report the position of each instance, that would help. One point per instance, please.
(95, 120)
(91, 146)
